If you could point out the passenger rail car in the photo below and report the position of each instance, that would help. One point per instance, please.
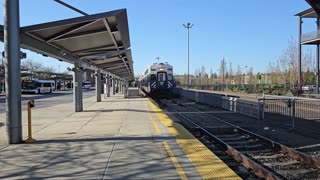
(157, 79)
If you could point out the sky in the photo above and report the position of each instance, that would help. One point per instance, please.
(248, 33)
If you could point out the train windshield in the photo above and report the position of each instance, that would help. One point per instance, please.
(153, 77)
(170, 77)
(161, 77)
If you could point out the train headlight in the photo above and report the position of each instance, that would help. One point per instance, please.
(161, 69)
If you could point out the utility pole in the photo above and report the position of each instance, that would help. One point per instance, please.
(188, 26)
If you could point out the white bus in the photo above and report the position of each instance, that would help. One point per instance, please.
(37, 86)
(86, 85)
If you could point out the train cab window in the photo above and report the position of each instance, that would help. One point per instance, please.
(161, 77)
(153, 77)
(170, 77)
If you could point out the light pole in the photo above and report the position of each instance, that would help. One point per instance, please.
(188, 26)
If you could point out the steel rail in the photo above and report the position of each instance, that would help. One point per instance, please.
(305, 158)
(245, 160)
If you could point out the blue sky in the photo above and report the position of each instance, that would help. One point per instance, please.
(246, 33)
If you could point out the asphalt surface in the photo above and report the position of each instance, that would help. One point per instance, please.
(47, 100)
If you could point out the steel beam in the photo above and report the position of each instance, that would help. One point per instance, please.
(105, 48)
(12, 70)
(43, 48)
(115, 67)
(106, 23)
(68, 33)
(104, 55)
(110, 64)
(71, 7)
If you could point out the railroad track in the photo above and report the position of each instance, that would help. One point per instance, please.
(264, 157)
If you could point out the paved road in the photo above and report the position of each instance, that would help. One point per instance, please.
(46, 100)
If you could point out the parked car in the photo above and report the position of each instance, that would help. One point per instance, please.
(309, 88)
(306, 88)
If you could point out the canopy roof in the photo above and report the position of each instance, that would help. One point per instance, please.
(313, 12)
(98, 42)
(309, 13)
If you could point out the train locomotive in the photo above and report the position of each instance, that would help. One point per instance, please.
(157, 79)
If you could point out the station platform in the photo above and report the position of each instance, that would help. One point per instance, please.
(118, 138)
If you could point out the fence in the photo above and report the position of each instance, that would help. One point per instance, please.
(287, 109)
(290, 108)
(221, 101)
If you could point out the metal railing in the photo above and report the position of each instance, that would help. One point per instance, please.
(310, 36)
(290, 108)
(280, 108)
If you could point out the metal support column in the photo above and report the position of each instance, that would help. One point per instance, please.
(12, 70)
(98, 86)
(125, 89)
(113, 85)
(120, 86)
(117, 87)
(108, 85)
(318, 58)
(318, 70)
(299, 55)
(77, 88)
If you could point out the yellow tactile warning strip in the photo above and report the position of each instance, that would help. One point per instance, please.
(168, 149)
(207, 163)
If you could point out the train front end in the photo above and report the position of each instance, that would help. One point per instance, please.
(164, 82)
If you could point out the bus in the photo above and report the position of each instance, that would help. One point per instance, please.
(37, 86)
(86, 85)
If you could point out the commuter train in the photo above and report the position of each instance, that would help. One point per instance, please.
(157, 79)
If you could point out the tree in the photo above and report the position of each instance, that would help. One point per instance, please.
(215, 75)
(230, 72)
(223, 70)
(32, 66)
(251, 79)
(285, 69)
(238, 76)
(211, 75)
(202, 74)
(47, 71)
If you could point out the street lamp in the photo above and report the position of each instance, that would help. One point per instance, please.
(188, 26)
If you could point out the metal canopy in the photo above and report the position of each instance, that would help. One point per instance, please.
(309, 13)
(94, 41)
(315, 5)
